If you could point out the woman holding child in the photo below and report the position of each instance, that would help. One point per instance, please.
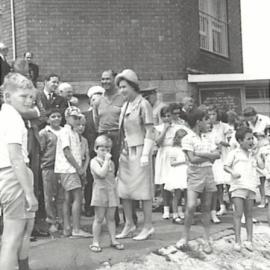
(135, 172)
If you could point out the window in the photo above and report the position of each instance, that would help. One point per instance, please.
(258, 92)
(213, 26)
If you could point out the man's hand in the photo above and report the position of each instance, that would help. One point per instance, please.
(32, 203)
(108, 156)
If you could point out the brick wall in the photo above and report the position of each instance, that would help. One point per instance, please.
(157, 38)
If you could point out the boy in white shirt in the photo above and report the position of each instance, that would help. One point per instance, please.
(16, 179)
(241, 164)
(68, 163)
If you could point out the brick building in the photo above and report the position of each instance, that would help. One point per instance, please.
(163, 40)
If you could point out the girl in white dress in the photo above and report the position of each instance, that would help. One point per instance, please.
(177, 175)
(164, 139)
(219, 134)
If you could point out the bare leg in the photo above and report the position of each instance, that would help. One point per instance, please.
(268, 210)
(147, 212)
(111, 223)
(262, 190)
(76, 208)
(238, 212)
(99, 217)
(66, 211)
(12, 239)
(206, 206)
(248, 209)
(190, 210)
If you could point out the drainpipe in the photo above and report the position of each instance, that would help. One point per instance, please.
(13, 30)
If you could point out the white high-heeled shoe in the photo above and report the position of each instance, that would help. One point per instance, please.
(144, 234)
(126, 233)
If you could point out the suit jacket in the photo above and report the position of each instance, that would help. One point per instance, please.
(33, 73)
(4, 70)
(90, 132)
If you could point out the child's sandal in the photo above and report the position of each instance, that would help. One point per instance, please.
(178, 220)
(118, 246)
(95, 248)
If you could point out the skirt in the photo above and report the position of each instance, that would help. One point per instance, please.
(220, 176)
(162, 165)
(134, 181)
(177, 178)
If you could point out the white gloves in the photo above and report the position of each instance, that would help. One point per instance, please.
(147, 147)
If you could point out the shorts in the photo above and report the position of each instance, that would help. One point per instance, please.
(244, 194)
(200, 179)
(70, 181)
(267, 187)
(12, 197)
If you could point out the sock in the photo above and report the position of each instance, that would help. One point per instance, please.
(180, 209)
(166, 210)
(23, 264)
(175, 215)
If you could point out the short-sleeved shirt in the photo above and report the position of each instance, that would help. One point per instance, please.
(261, 123)
(67, 138)
(12, 131)
(244, 164)
(108, 112)
(135, 116)
(265, 152)
(194, 143)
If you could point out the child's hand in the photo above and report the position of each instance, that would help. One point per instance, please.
(167, 125)
(236, 175)
(108, 156)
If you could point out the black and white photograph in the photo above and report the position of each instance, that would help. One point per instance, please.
(134, 134)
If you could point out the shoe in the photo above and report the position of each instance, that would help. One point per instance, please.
(38, 233)
(181, 215)
(248, 245)
(80, 234)
(95, 248)
(178, 220)
(126, 233)
(166, 216)
(182, 245)
(214, 217)
(144, 234)
(237, 247)
(207, 248)
(222, 210)
(261, 205)
(118, 246)
(53, 228)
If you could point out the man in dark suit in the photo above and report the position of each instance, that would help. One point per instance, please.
(33, 68)
(48, 96)
(90, 133)
(4, 66)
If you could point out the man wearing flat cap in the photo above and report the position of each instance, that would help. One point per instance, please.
(4, 66)
(90, 133)
(151, 95)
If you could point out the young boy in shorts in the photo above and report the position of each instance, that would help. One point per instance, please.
(241, 164)
(51, 181)
(201, 153)
(68, 163)
(16, 179)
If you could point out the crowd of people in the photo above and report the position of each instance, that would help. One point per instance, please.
(128, 148)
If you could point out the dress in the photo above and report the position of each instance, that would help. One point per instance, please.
(219, 133)
(177, 175)
(134, 181)
(162, 163)
(104, 189)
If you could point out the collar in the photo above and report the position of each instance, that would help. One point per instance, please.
(49, 128)
(134, 104)
(46, 92)
(10, 109)
(69, 127)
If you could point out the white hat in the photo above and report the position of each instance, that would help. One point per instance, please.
(127, 74)
(95, 90)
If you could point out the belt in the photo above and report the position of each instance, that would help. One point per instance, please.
(108, 132)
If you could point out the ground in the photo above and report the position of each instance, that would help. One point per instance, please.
(158, 252)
